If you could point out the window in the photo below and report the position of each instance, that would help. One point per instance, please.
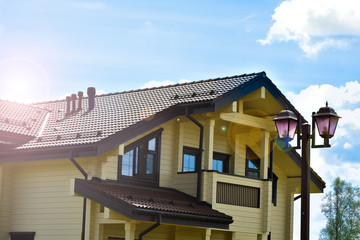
(141, 158)
(189, 159)
(221, 162)
(252, 164)
(22, 235)
(190, 156)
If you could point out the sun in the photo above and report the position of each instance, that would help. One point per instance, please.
(23, 80)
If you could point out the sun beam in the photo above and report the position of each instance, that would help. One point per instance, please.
(23, 80)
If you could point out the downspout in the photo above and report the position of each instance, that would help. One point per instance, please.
(199, 162)
(146, 231)
(271, 168)
(77, 165)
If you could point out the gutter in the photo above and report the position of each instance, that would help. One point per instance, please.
(199, 162)
(77, 165)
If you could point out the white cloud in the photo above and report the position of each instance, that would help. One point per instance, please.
(347, 145)
(315, 24)
(152, 84)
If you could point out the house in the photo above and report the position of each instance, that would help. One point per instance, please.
(186, 161)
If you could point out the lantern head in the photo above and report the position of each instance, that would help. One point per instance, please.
(326, 120)
(286, 123)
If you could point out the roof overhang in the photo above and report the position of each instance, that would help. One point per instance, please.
(83, 188)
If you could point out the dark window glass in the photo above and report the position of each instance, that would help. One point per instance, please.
(149, 163)
(127, 163)
(189, 163)
(252, 168)
(152, 144)
(189, 159)
(221, 162)
(218, 165)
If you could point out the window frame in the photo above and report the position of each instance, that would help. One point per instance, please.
(250, 156)
(225, 158)
(193, 152)
(139, 161)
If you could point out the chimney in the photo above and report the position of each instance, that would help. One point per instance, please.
(68, 100)
(80, 94)
(73, 98)
(91, 96)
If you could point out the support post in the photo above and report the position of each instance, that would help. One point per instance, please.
(305, 182)
(209, 144)
(130, 231)
(265, 138)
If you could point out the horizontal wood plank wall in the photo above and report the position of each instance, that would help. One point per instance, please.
(246, 219)
(280, 213)
(40, 199)
(163, 232)
(5, 200)
(220, 235)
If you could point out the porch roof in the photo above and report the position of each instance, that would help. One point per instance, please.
(146, 202)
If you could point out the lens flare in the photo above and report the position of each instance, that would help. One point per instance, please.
(23, 80)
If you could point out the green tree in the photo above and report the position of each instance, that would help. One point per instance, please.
(341, 207)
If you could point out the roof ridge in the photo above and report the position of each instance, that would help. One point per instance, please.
(161, 87)
(25, 105)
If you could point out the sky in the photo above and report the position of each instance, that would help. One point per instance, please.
(308, 48)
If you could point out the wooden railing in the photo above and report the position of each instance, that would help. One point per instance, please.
(239, 195)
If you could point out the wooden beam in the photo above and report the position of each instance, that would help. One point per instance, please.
(248, 120)
(255, 95)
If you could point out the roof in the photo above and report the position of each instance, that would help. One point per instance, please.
(118, 117)
(141, 202)
(19, 122)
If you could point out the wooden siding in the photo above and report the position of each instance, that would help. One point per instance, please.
(40, 199)
(5, 200)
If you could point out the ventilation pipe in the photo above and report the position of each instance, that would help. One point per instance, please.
(80, 94)
(91, 97)
(68, 100)
(73, 99)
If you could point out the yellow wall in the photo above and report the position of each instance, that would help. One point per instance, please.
(38, 192)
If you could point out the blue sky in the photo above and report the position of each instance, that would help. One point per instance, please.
(310, 49)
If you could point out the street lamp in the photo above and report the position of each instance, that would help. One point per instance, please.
(286, 123)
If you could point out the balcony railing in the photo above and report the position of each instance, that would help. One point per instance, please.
(239, 195)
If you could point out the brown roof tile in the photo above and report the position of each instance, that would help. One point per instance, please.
(113, 112)
(150, 198)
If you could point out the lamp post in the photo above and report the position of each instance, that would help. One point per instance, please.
(287, 123)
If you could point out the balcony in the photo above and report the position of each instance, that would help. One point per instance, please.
(248, 200)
